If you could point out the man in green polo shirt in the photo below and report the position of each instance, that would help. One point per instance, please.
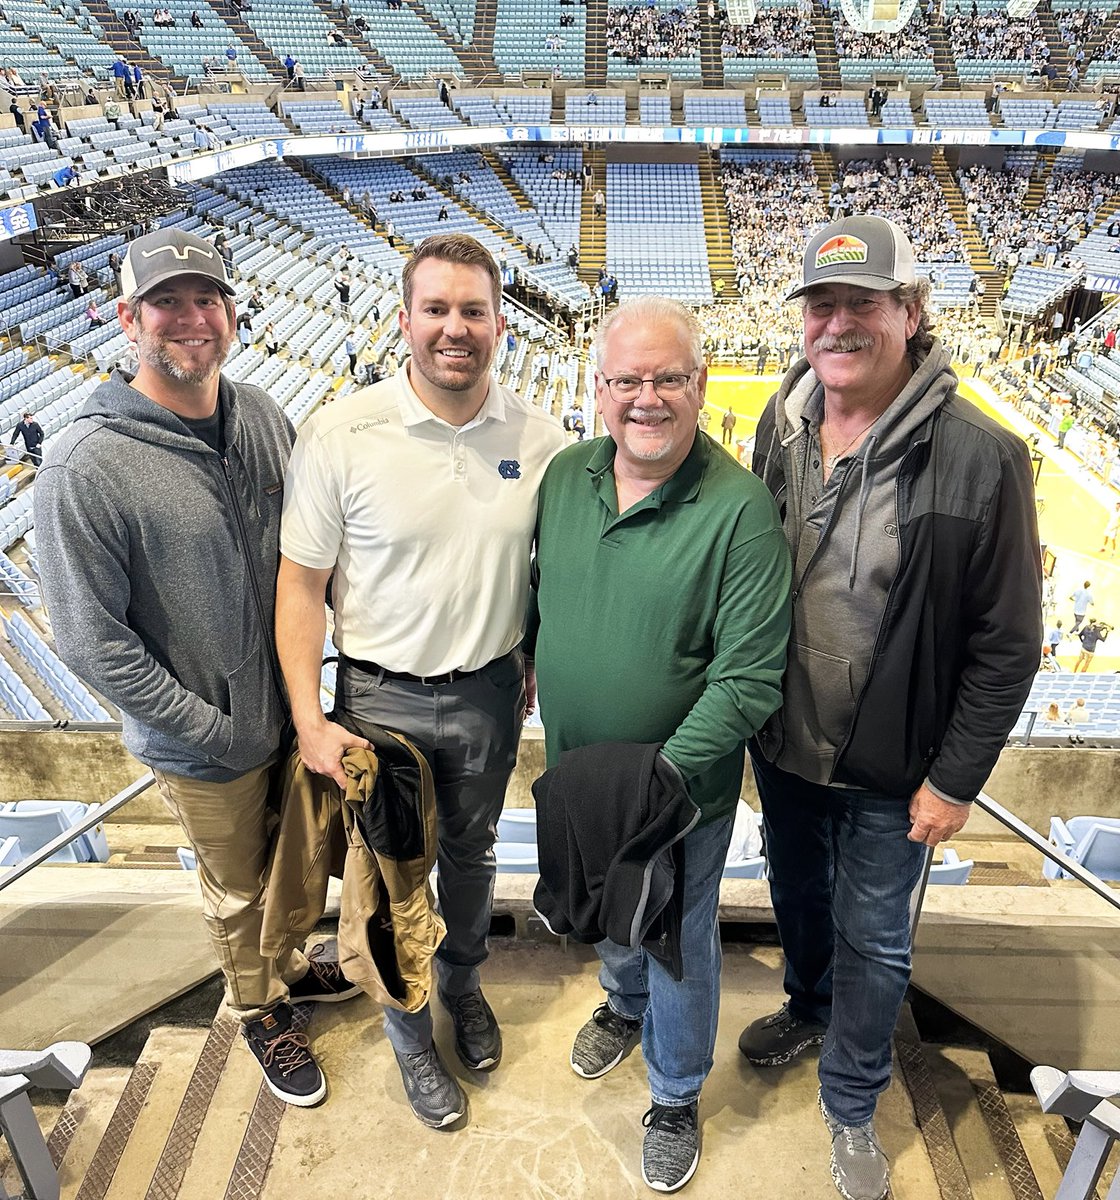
(662, 612)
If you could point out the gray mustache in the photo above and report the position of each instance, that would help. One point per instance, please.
(844, 343)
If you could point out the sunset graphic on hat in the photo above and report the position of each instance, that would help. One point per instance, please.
(841, 249)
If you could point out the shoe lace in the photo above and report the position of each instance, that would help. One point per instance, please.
(608, 1019)
(423, 1067)
(680, 1118)
(288, 1050)
(327, 971)
(784, 1020)
(859, 1139)
(470, 1011)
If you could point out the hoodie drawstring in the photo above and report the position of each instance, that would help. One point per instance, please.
(864, 492)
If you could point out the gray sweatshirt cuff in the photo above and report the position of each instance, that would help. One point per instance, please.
(945, 795)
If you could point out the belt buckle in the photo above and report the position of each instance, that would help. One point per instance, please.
(438, 680)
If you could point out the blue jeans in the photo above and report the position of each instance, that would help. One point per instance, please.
(841, 875)
(470, 730)
(680, 1018)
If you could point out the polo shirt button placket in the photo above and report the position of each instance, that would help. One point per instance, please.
(458, 459)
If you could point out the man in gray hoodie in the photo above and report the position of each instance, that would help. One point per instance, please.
(158, 517)
(916, 624)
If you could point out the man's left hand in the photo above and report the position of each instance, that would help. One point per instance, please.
(934, 820)
(530, 688)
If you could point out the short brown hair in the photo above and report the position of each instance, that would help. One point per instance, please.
(452, 248)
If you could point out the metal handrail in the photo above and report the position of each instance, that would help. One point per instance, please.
(95, 816)
(1034, 839)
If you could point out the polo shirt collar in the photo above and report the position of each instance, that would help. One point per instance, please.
(679, 488)
(414, 411)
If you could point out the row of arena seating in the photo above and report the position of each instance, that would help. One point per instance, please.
(527, 35)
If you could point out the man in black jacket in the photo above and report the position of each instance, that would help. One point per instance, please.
(916, 625)
(32, 433)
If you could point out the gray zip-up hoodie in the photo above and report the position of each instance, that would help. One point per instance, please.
(843, 537)
(158, 560)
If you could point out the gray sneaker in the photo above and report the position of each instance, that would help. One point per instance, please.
(671, 1147)
(779, 1038)
(435, 1095)
(859, 1167)
(603, 1042)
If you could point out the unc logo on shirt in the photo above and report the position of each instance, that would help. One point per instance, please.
(509, 468)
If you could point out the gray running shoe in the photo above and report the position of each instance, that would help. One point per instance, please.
(779, 1038)
(603, 1042)
(671, 1148)
(435, 1095)
(478, 1040)
(859, 1167)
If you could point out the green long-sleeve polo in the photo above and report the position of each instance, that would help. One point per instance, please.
(665, 624)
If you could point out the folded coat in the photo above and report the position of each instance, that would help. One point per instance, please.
(380, 835)
(611, 819)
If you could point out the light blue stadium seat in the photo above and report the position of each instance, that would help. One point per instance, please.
(1094, 842)
(951, 870)
(37, 822)
(10, 852)
(517, 858)
(187, 858)
(746, 868)
(518, 825)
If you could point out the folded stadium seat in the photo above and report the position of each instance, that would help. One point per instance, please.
(10, 851)
(951, 870)
(37, 822)
(1094, 842)
(518, 825)
(519, 858)
(187, 858)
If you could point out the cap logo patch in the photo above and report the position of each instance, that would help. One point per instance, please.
(841, 249)
(183, 255)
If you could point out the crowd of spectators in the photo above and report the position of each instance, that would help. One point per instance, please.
(774, 33)
(994, 204)
(638, 31)
(992, 34)
(907, 193)
(1109, 51)
(912, 41)
(772, 205)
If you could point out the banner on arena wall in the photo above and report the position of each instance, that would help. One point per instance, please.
(1101, 283)
(16, 220)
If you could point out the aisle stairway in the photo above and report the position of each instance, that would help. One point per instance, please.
(990, 275)
(1059, 52)
(361, 44)
(717, 228)
(476, 64)
(824, 40)
(192, 1120)
(118, 39)
(943, 59)
(249, 36)
(595, 45)
(593, 229)
(711, 48)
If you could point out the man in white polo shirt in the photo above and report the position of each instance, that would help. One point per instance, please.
(419, 496)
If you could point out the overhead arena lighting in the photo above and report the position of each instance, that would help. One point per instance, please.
(878, 16)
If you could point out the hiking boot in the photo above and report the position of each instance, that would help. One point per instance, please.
(671, 1147)
(324, 982)
(289, 1067)
(779, 1038)
(435, 1096)
(859, 1167)
(603, 1042)
(478, 1040)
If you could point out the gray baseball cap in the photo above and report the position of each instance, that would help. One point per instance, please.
(869, 252)
(165, 254)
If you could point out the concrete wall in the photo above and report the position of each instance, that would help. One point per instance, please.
(1035, 784)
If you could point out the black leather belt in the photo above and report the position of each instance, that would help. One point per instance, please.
(447, 677)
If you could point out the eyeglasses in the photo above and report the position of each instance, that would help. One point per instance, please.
(625, 389)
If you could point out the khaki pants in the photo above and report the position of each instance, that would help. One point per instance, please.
(228, 825)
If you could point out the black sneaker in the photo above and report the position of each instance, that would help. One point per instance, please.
(478, 1040)
(603, 1042)
(671, 1148)
(289, 1067)
(779, 1038)
(435, 1096)
(324, 983)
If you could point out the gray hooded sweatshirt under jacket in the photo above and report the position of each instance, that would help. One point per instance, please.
(843, 538)
(158, 560)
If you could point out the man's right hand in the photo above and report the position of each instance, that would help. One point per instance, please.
(321, 749)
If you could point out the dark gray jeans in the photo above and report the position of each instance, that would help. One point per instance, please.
(469, 730)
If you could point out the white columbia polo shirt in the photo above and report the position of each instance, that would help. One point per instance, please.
(430, 525)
